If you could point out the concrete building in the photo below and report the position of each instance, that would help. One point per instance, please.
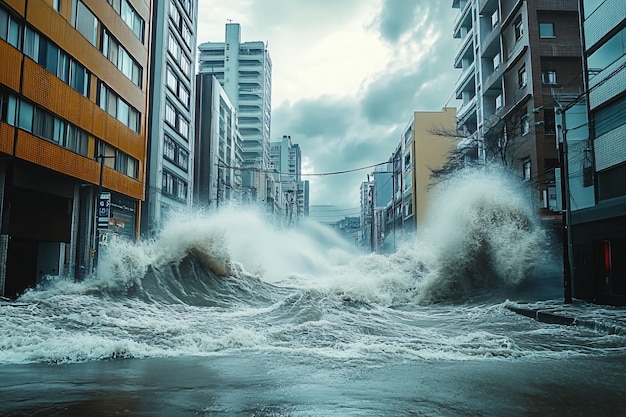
(217, 152)
(171, 115)
(375, 195)
(73, 89)
(425, 148)
(286, 163)
(513, 55)
(245, 72)
(595, 156)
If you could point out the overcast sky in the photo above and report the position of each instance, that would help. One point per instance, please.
(347, 76)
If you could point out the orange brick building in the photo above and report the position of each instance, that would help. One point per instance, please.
(73, 103)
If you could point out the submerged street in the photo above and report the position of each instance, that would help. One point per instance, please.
(206, 321)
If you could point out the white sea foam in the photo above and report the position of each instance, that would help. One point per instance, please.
(226, 281)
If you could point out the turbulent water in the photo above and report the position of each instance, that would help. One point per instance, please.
(222, 283)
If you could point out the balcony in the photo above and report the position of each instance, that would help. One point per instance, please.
(464, 19)
(465, 48)
(466, 81)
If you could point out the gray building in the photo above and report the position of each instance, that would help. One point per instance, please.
(286, 162)
(217, 150)
(595, 153)
(171, 111)
(245, 72)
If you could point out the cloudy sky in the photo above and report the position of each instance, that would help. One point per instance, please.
(347, 75)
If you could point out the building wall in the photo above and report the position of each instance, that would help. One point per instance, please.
(430, 151)
(245, 72)
(67, 102)
(171, 118)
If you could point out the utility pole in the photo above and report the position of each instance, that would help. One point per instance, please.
(567, 272)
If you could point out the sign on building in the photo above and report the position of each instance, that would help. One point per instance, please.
(104, 210)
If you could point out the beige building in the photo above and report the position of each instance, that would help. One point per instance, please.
(425, 148)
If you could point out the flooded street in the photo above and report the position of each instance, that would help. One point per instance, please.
(206, 321)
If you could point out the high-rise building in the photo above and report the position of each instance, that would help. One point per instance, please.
(286, 162)
(73, 99)
(595, 157)
(245, 72)
(171, 115)
(513, 56)
(217, 154)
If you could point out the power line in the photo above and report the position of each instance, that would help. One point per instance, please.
(321, 174)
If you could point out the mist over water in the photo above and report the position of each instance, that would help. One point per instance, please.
(217, 282)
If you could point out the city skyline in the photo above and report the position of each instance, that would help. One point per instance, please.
(346, 77)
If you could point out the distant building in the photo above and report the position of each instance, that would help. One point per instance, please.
(596, 158)
(424, 149)
(286, 163)
(73, 103)
(170, 122)
(513, 56)
(396, 196)
(245, 72)
(350, 228)
(217, 151)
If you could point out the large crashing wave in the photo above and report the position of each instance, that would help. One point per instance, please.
(481, 237)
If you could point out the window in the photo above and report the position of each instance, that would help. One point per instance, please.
(121, 58)
(43, 124)
(526, 170)
(496, 61)
(129, 16)
(546, 30)
(609, 52)
(522, 77)
(495, 18)
(499, 101)
(25, 116)
(170, 114)
(56, 4)
(118, 108)
(519, 28)
(86, 23)
(608, 117)
(548, 77)
(169, 148)
(171, 80)
(525, 124)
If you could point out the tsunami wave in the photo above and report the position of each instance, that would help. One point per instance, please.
(212, 283)
(482, 240)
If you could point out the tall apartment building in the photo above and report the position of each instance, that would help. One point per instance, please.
(514, 55)
(217, 153)
(286, 161)
(245, 72)
(73, 99)
(171, 115)
(596, 155)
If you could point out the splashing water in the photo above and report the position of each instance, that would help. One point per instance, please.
(216, 281)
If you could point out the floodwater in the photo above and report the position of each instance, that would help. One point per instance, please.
(224, 315)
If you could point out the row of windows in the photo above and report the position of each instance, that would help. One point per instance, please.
(176, 120)
(130, 17)
(55, 60)
(113, 104)
(121, 58)
(89, 26)
(179, 56)
(179, 24)
(608, 53)
(43, 124)
(174, 186)
(177, 87)
(123, 162)
(10, 29)
(175, 153)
